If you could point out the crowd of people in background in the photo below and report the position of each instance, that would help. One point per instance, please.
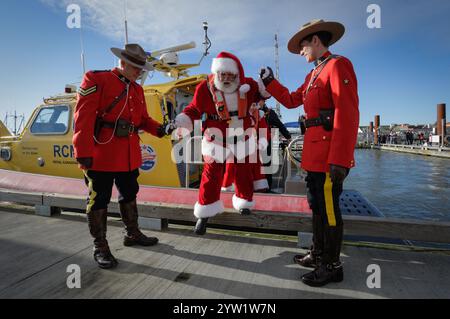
(408, 138)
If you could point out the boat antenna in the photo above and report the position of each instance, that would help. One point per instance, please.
(206, 42)
(83, 63)
(126, 22)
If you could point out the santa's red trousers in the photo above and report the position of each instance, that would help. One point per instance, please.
(212, 179)
(230, 174)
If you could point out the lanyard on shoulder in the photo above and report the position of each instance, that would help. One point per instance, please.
(321, 67)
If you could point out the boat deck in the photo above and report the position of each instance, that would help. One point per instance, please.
(36, 252)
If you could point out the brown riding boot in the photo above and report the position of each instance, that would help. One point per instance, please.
(134, 236)
(97, 227)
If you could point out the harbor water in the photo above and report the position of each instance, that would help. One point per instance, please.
(403, 185)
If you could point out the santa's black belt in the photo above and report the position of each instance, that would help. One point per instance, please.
(123, 125)
(216, 117)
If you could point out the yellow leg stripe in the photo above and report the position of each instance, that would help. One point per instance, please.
(92, 193)
(327, 189)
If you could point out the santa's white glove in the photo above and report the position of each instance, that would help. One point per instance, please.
(170, 127)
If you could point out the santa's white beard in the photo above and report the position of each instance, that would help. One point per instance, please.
(230, 88)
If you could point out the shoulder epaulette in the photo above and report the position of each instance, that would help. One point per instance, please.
(100, 71)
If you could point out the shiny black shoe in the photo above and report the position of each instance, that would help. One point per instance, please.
(245, 211)
(323, 275)
(309, 260)
(200, 226)
(139, 239)
(105, 259)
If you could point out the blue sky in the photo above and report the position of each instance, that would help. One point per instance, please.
(403, 68)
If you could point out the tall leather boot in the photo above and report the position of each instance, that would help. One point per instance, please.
(311, 259)
(200, 226)
(330, 268)
(97, 221)
(133, 235)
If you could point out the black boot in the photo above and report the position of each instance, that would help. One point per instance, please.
(245, 211)
(332, 244)
(309, 260)
(324, 274)
(97, 226)
(200, 226)
(134, 236)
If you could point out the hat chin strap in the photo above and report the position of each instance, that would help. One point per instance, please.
(230, 89)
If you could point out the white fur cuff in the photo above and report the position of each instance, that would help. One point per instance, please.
(184, 121)
(244, 88)
(262, 89)
(240, 203)
(210, 210)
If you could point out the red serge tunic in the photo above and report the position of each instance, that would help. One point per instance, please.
(97, 91)
(335, 88)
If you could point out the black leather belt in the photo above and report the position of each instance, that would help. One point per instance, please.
(313, 122)
(128, 126)
(216, 117)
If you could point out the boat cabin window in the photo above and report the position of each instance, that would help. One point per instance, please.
(51, 120)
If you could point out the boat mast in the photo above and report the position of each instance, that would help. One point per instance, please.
(277, 72)
(126, 22)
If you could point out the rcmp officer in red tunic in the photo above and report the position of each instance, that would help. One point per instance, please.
(225, 98)
(329, 95)
(110, 110)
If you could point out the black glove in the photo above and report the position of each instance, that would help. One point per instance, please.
(338, 173)
(85, 162)
(166, 129)
(266, 75)
(161, 131)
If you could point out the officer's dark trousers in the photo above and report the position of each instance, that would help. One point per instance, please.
(323, 198)
(100, 187)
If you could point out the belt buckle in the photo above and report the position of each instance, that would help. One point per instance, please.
(131, 128)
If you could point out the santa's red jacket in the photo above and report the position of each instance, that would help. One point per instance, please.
(335, 88)
(203, 103)
(97, 92)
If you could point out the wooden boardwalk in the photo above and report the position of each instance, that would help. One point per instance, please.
(35, 253)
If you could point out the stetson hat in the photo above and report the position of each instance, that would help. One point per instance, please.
(134, 55)
(335, 28)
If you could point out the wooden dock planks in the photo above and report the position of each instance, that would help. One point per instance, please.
(36, 251)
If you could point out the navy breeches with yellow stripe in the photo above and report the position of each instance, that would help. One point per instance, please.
(323, 198)
(100, 187)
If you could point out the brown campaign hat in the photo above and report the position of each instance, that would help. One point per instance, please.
(134, 55)
(335, 28)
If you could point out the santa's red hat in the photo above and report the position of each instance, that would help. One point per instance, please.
(227, 62)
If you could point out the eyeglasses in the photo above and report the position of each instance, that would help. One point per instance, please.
(226, 76)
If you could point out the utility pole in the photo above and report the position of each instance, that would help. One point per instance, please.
(277, 72)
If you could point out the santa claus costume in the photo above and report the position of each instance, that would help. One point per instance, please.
(226, 104)
(260, 183)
